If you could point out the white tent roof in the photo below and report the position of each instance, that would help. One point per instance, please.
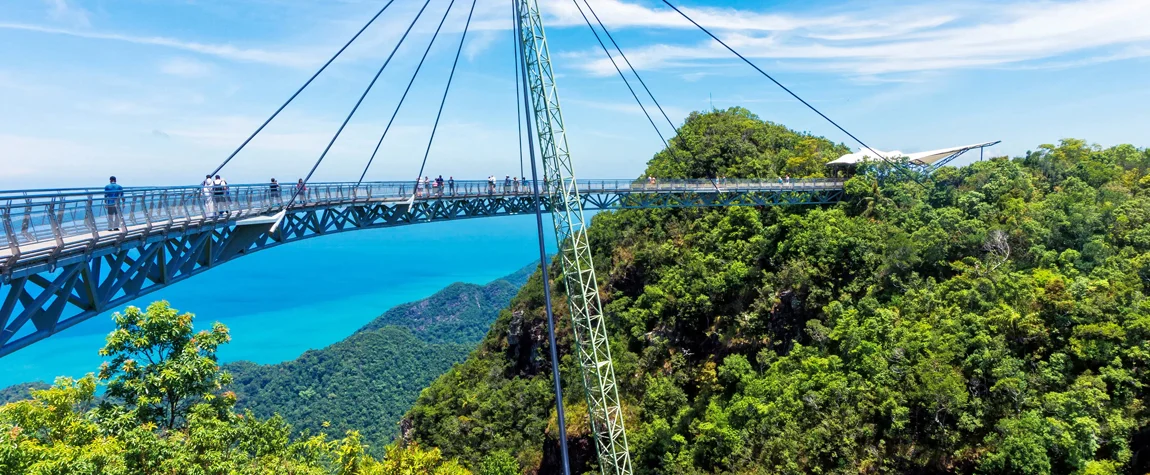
(917, 158)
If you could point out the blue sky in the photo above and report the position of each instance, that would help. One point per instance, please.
(159, 91)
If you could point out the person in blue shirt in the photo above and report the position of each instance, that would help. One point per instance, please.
(113, 193)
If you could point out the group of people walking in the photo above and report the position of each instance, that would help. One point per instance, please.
(426, 187)
(218, 197)
(511, 184)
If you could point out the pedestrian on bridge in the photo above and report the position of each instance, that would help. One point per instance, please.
(507, 184)
(439, 185)
(301, 191)
(209, 203)
(490, 184)
(451, 184)
(515, 184)
(113, 193)
(220, 194)
(274, 192)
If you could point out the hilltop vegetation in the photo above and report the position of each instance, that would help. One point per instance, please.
(991, 319)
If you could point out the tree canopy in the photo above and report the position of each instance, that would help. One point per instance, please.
(990, 319)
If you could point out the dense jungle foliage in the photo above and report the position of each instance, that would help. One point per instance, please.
(989, 319)
(370, 379)
(165, 411)
(170, 409)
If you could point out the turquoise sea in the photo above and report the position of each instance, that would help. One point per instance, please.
(283, 301)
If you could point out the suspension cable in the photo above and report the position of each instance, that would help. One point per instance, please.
(405, 91)
(360, 101)
(621, 75)
(518, 114)
(633, 70)
(796, 96)
(542, 248)
(304, 86)
(443, 101)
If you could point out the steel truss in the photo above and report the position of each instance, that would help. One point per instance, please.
(592, 344)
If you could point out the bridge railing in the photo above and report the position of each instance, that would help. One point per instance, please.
(50, 221)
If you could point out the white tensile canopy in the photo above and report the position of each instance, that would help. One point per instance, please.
(918, 158)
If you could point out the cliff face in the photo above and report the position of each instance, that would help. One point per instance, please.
(989, 319)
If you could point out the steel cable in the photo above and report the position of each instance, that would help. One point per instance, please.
(559, 411)
(621, 75)
(518, 113)
(633, 70)
(405, 91)
(447, 89)
(359, 102)
(305, 85)
(796, 96)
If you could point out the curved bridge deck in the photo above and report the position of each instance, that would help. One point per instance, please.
(67, 255)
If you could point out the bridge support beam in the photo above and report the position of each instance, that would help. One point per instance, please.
(592, 344)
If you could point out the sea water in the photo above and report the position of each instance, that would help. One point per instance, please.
(285, 300)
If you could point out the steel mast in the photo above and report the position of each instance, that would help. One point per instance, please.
(590, 330)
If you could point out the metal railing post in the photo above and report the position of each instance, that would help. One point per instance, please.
(6, 215)
(55, 223)
(147, 213)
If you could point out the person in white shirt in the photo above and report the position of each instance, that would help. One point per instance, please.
(209, 203)
(219, 194)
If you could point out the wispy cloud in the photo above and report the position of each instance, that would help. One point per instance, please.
(281, 58)
(64, 12)
(185, 67)
(863, 43)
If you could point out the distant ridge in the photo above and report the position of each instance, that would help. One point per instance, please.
(20, 392)
(367, 381)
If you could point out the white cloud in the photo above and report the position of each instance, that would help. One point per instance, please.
(619, 14)
(478, 42)
(281, 58)
(865, 43)
(62, 11)
(185, 67)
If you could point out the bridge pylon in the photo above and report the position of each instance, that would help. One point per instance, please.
(592, 345)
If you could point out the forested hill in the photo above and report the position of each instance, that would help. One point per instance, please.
(460, 313)
(990, 319)
(367, 381)
(20, 392)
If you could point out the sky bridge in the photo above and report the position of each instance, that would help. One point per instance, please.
(67, 255)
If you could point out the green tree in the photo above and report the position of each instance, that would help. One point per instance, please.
(51, 433)
(499, 463)
(411, 459)
(159, 367)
